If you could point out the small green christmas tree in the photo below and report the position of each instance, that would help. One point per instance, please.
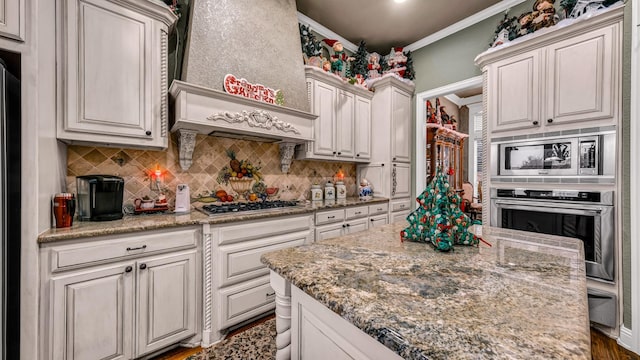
(438, 218)
(359, 66)
(409, 73)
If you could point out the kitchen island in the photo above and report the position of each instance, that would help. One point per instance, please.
(523, 298)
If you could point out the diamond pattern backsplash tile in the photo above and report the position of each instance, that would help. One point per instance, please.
(209, 156)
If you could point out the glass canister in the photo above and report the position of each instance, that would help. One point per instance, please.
(316, 192)
(341, 190)
(329, 191)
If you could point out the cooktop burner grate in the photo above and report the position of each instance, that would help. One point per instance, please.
(236, 207)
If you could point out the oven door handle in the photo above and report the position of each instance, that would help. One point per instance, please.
(556, 207)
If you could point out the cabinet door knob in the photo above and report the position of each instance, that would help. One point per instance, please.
(339, 153)
(535, 123)
(371, 220)
(549, 121)
(394, 159)
(357, 155)
(148, 133)
(334, 153)
(143, 266)
(128, 269)
(343, 225)
(348, 225)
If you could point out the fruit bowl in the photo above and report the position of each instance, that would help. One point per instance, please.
(240, 186)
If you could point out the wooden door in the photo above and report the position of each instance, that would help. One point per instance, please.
(346, 113)
(92, 314)
(324, 98)
(582, 83)
(166, 300)
(363, 129)
(514, 93)
(400, 126)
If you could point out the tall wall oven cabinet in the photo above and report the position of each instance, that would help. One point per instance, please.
(552, 113)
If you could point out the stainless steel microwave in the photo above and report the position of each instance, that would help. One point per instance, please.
(580, 156)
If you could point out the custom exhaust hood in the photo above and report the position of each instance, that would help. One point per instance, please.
(254, 40)
(199, 110)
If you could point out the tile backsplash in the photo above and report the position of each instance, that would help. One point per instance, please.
(209, 156)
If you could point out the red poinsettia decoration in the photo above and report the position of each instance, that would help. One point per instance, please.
(451, 171)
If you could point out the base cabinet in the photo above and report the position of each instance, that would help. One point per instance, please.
(319, 333)
(136, 296)
(93, 314)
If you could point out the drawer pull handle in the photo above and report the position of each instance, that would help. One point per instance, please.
(143, 266)
(331, 217)
(128, 269)
(271, 294)
(137, 248)
(379, 209)
(358, 212)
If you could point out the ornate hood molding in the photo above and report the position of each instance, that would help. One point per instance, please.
(199, 110)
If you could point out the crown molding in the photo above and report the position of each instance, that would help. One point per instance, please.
(502, 6)
(327, 33)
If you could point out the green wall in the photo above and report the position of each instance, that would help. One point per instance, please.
(451, 59)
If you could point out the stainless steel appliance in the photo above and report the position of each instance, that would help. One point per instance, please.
(100, 197)
(213, 209)
(584, 155)
(10, 219)
(585, 215)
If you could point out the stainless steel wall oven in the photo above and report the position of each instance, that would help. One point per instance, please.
(586, 215)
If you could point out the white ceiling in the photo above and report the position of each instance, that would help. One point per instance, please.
(383, 24)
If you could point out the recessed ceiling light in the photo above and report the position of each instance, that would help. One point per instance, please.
(399, 1)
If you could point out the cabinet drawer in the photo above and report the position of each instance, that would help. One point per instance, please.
(378, 208)
(378, 220)
(327, 217)
(121, 247)
(401, 205)
(241, 261)
(245, 301)
(357, 212)
(261, 229)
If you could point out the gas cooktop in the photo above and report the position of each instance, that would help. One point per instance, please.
(213, 209)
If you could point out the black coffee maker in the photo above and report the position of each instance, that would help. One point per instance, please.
(100, 197)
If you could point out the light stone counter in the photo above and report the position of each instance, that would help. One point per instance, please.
(523, 298)
(144, 222)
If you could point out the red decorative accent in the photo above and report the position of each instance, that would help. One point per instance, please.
(242, 87)
(451, 171)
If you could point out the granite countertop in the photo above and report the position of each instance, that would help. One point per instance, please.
(132, 223)
(523, 298)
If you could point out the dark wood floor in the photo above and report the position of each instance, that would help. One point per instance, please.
(602, 348)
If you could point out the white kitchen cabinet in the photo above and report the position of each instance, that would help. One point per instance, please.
(137, 295)
(166, 300)
(92, 314)
(241, 289)
(363, 128)
(342, 130)
(399, 216)
(378, 220)
(334, 223)
(345, 124)
(400, 125)
(568, 79)
(515, 84)
(400, 180)
(113, 92)
(12, 19)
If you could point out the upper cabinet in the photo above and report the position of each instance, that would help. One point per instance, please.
(112, 71)
(342, 130)
(400, 125)
(558, 80)
(12, 19)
